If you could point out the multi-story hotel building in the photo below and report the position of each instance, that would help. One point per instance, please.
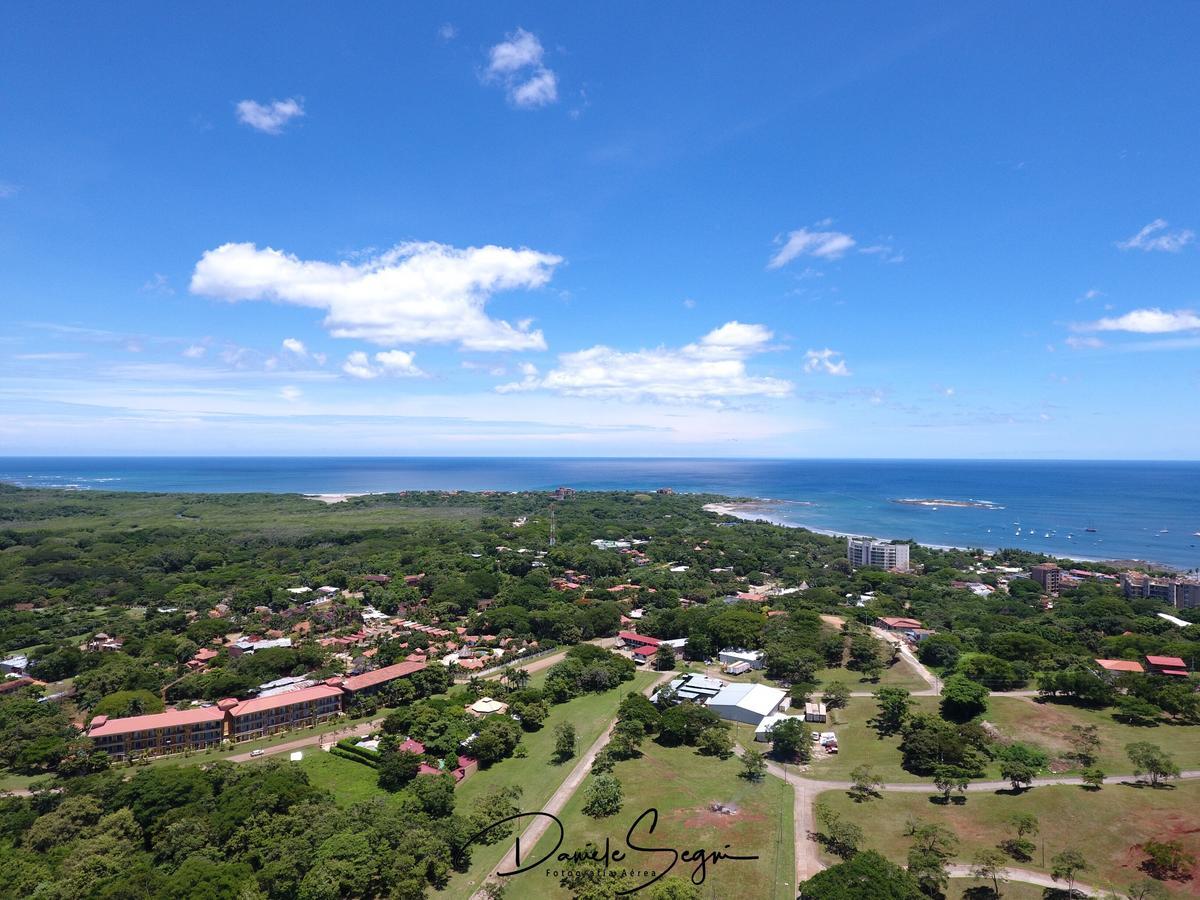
(262, 716)
(1181, 593)
(166, 732)
(868, 552)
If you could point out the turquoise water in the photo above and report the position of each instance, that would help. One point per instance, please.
(1139, 510)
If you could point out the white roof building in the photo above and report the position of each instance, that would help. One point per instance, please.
(731, 655)
(763, 731)
(749, 703)
(696, 688)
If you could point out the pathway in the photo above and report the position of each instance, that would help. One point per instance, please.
(1029, 877)
(531, 835)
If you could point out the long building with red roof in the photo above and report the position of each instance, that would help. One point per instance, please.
(370, 682)
(261, 716)
(165, 732)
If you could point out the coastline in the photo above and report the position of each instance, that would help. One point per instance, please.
(758, 510)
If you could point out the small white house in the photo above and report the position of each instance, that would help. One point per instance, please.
(740, 668)
(815, 712)
(731, 656)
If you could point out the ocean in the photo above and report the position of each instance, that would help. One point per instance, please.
(1082, 510)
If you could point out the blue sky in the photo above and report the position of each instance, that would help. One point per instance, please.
(942, 230)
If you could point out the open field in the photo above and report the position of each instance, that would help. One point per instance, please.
(1106, 825)
(348, 781)
(1049, 724)
(682, 785)
(899, 675)
(859, 744)
(536, 774)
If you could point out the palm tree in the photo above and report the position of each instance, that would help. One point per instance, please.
(518, 678)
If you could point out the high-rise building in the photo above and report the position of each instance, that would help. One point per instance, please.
(868, 552)
(1048, 575)
(1181, 593)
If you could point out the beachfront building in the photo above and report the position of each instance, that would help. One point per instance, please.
(262, 716)
(1048, 575)
(880, 554)
(167, 732)
(1181, 593)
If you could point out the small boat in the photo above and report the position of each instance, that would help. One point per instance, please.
(1163, 531)
(1046, 535)
(1091, 530)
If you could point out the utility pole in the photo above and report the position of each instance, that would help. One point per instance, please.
(553, 524)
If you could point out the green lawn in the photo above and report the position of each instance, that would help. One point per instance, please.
(901, 674)
(1106, 825)
(859, 744)
(683, 785)
(1049, 724)
(536, 774)
(348, 781)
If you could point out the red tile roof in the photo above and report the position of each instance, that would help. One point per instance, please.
(1121, 665)
(379, 676)
(291, 698)
(1170, 662)
(633, 637)
(102, 725)
(645, 651)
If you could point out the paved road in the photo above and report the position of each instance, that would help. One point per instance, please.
(325, 739)
(542, 662)
(531, 835)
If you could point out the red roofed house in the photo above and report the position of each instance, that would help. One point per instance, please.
(466, 764)
(262, 716)
(634, 640)
(165, 732)
(897, 623)
(203, 657)
(370, 682)
(1167, 665)
(1120, 665)
(645, 651)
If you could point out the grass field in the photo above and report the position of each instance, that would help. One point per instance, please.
(1106, 826)
(348, 781)
(682, 786)
(1049, 724)
(1045, 724)
(536, 774)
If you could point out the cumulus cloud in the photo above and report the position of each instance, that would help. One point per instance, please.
(269, 118)
(1156, 237)
(711, 370)
(1148, 321)
(826, 361)
(413, 293)
(389, 362)
(807, 242)
(516, 63)
(296, 346)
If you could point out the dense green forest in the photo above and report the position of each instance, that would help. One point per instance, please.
(168, 575)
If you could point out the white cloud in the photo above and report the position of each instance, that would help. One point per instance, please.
(159, 284)
(708, 371)
(415, 292)
(1148, 321)
(290, 392)
(388, 362)
(804, 242)
(1149, 238)
(447, 31)
(296, 346)
(826, 361)
(269, 118)
(517, 64)
(195, 351)
(1084, 343)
